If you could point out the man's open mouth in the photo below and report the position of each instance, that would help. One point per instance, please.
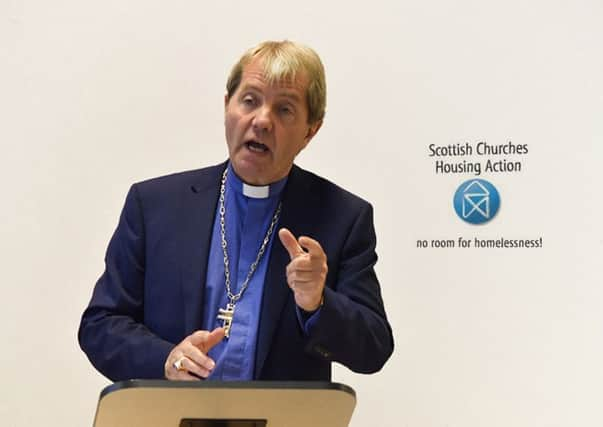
(256, 147)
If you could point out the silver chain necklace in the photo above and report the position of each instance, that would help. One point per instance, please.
(226, 314)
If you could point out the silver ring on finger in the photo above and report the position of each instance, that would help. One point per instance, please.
(178, 364)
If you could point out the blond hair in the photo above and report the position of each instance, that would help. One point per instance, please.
(282, 60)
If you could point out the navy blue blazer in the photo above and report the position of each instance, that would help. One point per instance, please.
(150, 296)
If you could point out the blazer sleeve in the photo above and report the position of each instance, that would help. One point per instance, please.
(112, 333)
(352, 328)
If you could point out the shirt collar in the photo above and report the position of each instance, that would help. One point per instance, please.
(254, 191)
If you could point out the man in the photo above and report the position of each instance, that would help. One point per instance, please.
(195, 284)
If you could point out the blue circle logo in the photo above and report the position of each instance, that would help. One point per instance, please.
(476, 201)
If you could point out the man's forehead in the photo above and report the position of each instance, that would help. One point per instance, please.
(256, 75)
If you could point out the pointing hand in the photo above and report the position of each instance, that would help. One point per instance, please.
(307, 271)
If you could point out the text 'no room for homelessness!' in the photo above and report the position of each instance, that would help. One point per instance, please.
(480, 243)
(477, 158)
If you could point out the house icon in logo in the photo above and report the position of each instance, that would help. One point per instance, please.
(476, 201)
(476, 198)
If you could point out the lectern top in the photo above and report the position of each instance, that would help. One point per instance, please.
(156, 403)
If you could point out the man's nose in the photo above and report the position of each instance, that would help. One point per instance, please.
(262, 120)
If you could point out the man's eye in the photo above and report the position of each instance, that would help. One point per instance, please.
(249, 100)
(285, 109)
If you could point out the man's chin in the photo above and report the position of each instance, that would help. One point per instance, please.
(250, 172)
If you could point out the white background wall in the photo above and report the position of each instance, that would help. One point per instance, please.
(97, 95)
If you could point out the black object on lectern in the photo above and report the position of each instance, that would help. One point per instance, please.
(151, 403)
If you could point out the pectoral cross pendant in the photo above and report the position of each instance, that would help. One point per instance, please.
(225, 315)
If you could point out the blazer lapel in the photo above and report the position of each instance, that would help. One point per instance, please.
(276, 290)
(198, 212)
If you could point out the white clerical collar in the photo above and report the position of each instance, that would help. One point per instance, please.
(254, 191)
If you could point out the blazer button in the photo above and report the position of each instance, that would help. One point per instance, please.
(322, 351)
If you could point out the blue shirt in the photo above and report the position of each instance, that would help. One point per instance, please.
(247, 220)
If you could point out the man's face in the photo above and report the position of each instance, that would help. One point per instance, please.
(266, 125)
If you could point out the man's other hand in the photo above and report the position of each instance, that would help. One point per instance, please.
(188, 361)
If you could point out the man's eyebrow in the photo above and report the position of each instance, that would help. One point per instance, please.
(248, 86)
(291, 95)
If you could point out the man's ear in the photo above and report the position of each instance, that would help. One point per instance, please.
(226, 99)
(313, 130)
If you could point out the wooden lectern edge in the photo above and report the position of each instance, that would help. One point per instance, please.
(305, 385)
